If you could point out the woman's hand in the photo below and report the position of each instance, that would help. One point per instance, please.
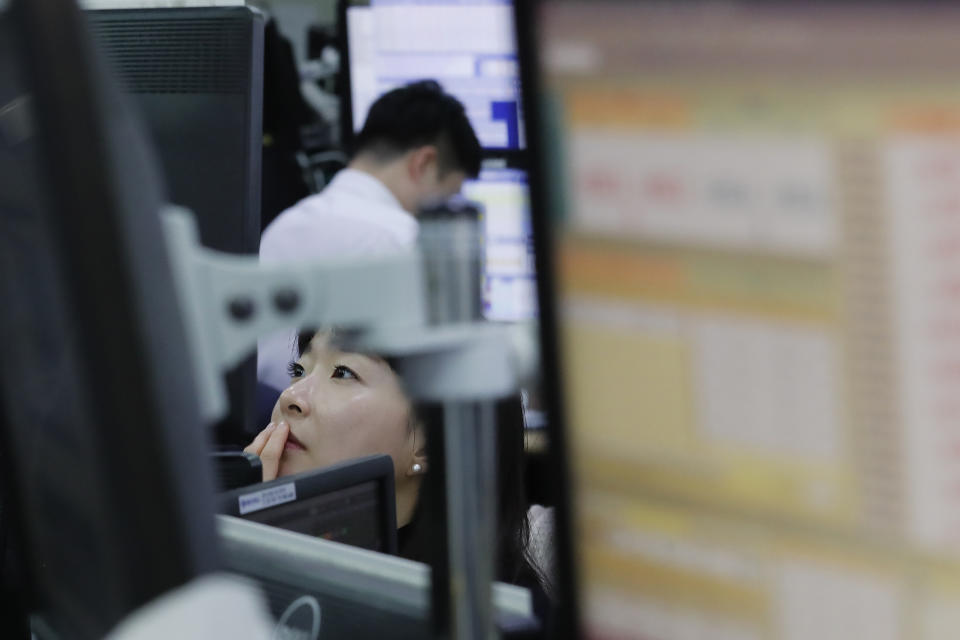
(269, 445)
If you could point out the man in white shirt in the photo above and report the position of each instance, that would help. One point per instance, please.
(415, 149)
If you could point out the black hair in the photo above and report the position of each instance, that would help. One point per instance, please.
(513, 563)
(419, 114)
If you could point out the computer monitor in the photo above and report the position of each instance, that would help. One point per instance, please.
(109, 493)
(509, 288)
(347, 591)
(195, 74)
(353, 502)
(469, 47)
(756, 235)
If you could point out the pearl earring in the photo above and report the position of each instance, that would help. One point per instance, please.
(417, 467)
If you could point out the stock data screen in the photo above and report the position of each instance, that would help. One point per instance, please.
(509, 283)
(468, 47)
(758, 261)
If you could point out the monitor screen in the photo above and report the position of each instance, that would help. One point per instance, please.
(509, 289)
(469, 47)
(757, 287)
(350, 515)
(352, 502)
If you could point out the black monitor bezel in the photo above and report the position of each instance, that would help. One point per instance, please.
(568, 619)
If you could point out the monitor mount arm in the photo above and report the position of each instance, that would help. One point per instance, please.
(230, 301)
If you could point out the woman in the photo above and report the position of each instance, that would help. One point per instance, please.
(342, 405)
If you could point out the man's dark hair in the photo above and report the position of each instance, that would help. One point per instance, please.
(419, 114)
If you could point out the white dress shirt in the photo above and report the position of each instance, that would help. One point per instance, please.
(355, 215)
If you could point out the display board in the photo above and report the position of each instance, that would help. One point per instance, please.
(755, 209)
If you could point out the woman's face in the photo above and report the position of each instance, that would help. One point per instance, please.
(343, 405)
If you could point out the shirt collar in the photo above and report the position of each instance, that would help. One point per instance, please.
(363, 184)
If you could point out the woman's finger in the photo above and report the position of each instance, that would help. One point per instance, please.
(270, 455)
(256, 446)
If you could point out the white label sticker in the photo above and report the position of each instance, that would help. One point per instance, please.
(250, 502)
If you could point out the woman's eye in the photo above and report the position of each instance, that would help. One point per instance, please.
(345, 373)
(295, 370)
